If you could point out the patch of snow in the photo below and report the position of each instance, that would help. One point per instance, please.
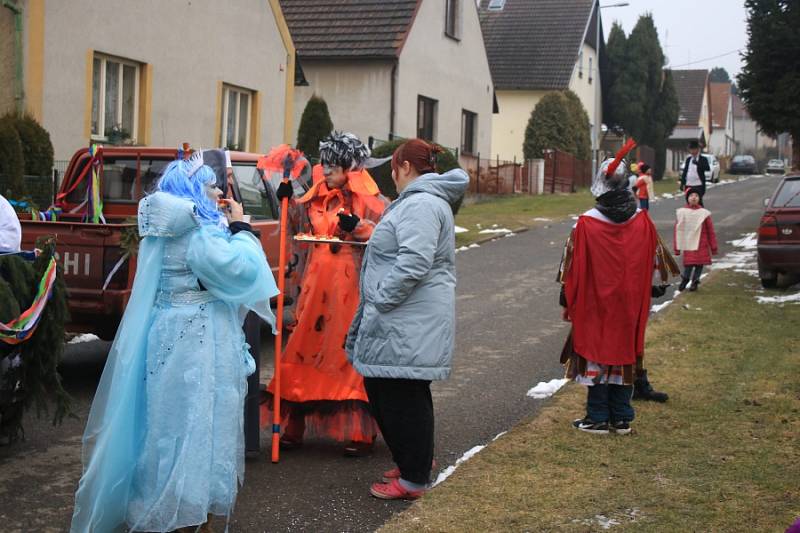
(787, 298)
(574, 218)
(499, 435)
(666, 194)
(493, 230)
(83, 337)
(510, 234)
(474, 245)
(658, 307)
(749, 241)
(459, 229)
(541, 219)
(545, 389)
(447, 472)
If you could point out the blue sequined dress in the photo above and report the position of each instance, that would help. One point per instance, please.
(164, 445)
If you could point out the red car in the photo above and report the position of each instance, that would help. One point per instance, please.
(779, 233)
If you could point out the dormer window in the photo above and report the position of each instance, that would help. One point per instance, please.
(452, 22)
(496, 5)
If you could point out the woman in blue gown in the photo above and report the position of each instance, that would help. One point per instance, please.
(164, 445)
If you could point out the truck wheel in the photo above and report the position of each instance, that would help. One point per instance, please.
(769, 283)
(107, 329)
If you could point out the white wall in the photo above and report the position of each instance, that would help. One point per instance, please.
(191, 46)
(508, 126)
(589, 92)
(456, 73)
(357, 94)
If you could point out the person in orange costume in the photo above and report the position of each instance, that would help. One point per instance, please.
(321, 392)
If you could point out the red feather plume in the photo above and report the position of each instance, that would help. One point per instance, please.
(630, 145)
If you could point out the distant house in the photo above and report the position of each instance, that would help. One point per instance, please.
(534, 47)
(749, 138)
(200, 71)
(694, 120)
(396, 68)
(722, 142)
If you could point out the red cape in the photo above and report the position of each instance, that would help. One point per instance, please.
(608, 287)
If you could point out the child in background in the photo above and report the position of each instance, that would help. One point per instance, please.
(644, 186)
(694, 235)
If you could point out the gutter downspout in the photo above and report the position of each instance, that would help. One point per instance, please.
(392, 105)
(19, 95)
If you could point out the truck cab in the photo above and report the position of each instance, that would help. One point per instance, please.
(98, 270)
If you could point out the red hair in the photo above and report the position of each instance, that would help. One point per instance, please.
(421, 155)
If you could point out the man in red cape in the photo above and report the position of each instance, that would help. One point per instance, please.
(607, 283)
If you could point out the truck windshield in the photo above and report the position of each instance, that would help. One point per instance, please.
(255, 201)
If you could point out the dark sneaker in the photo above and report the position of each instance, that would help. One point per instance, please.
(694, 285)
(590, 426)
(621, 428)
(642, 390)
(684, 283)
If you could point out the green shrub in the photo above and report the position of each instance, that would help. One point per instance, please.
(315, 125)
(37, 150)
(12, 161)
(551, 126)
(383, 174)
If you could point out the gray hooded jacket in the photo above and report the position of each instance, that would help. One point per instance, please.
(404, 327)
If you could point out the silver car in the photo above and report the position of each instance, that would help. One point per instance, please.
(776, 166)
(713, 164)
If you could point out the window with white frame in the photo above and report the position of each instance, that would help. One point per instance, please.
(452, 19)
(115, 98)
(235, 127)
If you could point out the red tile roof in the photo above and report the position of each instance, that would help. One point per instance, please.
(720, 96)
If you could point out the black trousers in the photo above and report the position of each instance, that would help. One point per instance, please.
(694, 276)
(403, 409)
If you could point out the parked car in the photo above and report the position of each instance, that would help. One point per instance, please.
(743, 164)
(713, 164)
(775, 166)
(89, 253)
(779, 233)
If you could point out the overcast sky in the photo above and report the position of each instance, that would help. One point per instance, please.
(690, 31)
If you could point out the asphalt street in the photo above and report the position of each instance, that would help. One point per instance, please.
(509, 337)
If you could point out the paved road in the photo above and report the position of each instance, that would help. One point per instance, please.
(509, 335)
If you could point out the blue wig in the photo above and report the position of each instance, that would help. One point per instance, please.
(176, 181)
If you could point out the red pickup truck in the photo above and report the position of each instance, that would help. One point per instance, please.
(89, 252)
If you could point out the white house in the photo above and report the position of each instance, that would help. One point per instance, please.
(538, 46)
(396, 68)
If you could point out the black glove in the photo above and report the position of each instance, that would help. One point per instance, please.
(285, 190)
(657, 291)
(348, 222)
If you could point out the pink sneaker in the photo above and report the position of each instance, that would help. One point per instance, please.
(394, 473)
(394, 491)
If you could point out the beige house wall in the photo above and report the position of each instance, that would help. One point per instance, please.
(453, 72)
(586, 84)
(7, 60)
(358, 94)
(508, 126)
(705, 115)
(188, 51)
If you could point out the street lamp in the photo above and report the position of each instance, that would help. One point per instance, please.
(596, 127)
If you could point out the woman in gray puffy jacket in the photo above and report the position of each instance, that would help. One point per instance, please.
(402, 335)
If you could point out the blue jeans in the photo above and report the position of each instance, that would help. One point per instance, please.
(610, 403)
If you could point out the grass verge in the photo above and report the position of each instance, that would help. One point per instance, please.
(721, 455)
(522, 211)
